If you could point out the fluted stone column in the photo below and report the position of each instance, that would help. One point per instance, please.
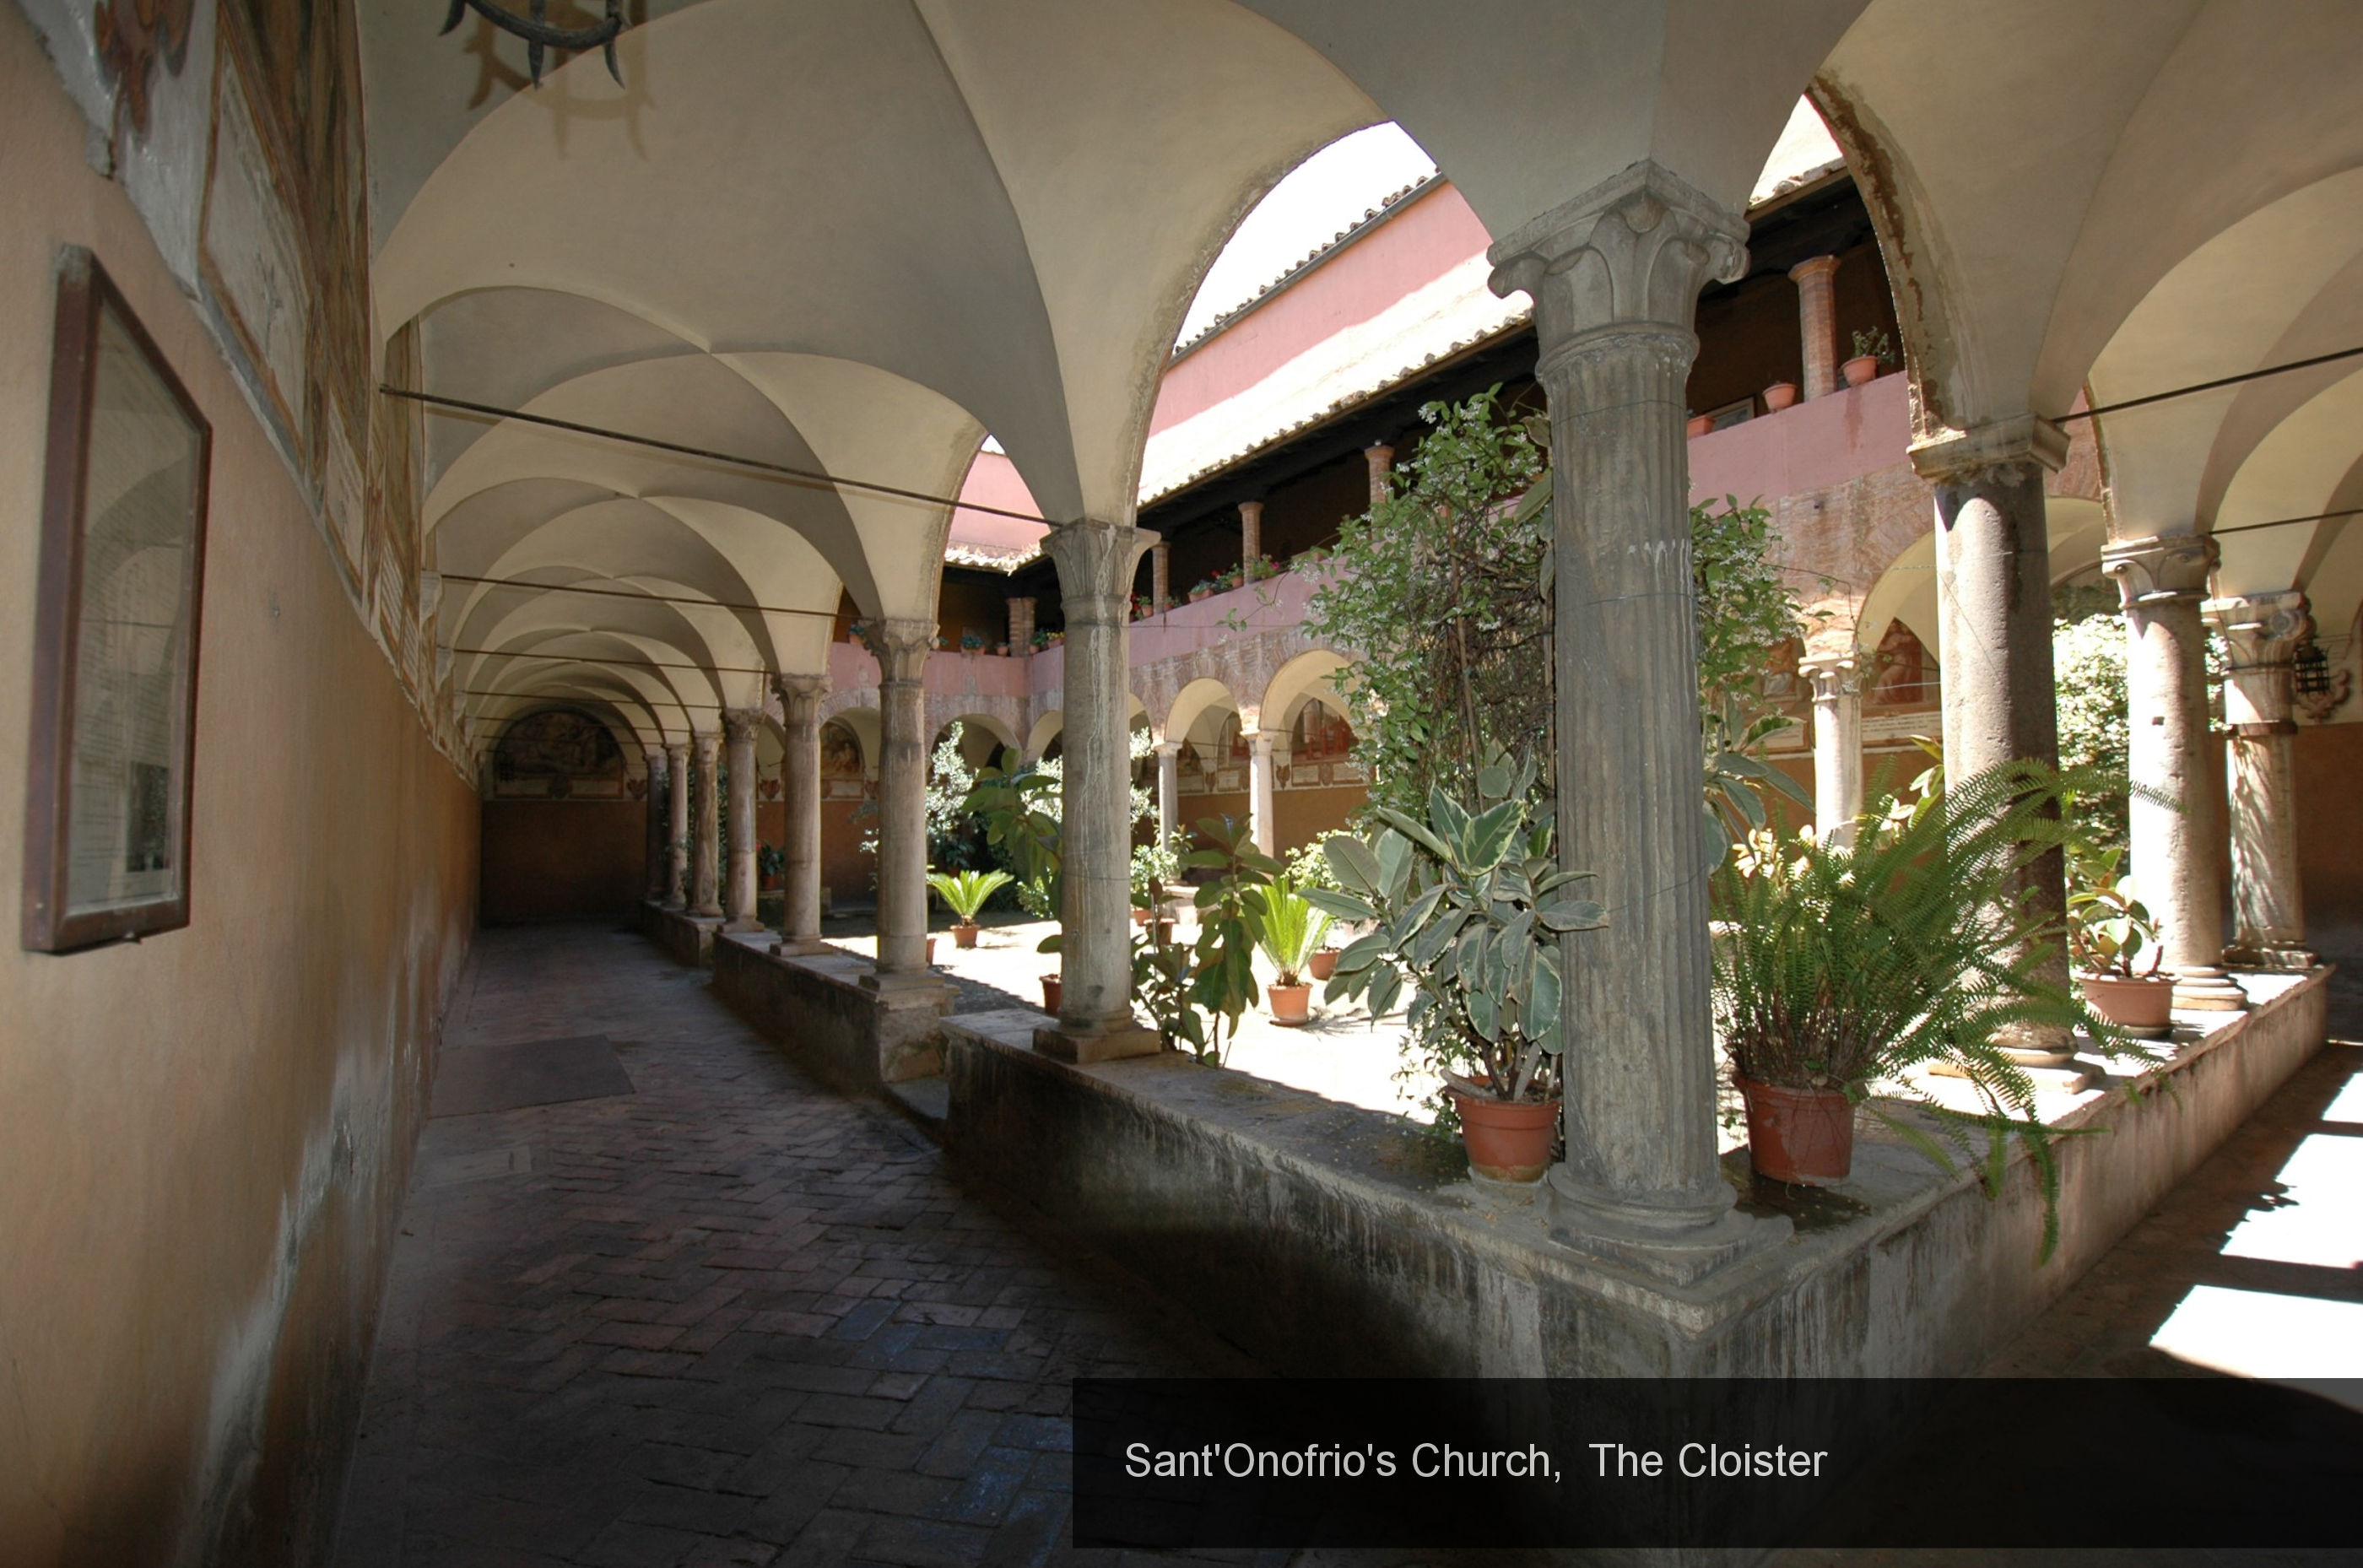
(1021, 626)
(1095, 563)
(659, 842)
(2264, 631)
(1160, 576)
(2162, 582)
(738, 726)
(677, 826)
(1838, 743)
(902, 646)
(1817, 322)
(1168, 790)
(1993, 611)
(1262, 789)
(704, 828)
(800, 699)
(1614, 275)
(1381, 461)
(1250, 530)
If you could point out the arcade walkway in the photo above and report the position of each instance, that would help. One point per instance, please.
(724, 1317)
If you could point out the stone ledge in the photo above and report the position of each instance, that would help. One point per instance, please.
(686, 939)
(815, 1007)
(1326, 1238)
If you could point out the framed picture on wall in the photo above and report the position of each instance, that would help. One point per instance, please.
(115, 655)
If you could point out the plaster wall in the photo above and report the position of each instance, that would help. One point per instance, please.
(2329, 759)
(208, 1132)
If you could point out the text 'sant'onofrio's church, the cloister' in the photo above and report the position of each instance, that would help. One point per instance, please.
(515, 539)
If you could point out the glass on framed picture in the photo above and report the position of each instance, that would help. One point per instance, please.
(122, 561)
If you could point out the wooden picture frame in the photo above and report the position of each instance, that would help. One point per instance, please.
(112, 739)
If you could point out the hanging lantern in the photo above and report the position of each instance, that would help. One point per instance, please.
(2309, 669)
(539, 35)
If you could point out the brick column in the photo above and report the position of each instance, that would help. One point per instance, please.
(1817, 322)
(1250, 530)
(1021, 626)
(1381, 460)
(1160, 576)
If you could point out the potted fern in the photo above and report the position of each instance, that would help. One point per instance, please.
(1840, 968)
(1290, 930)
(2108, 930)
(1466, 911)
(964, 893)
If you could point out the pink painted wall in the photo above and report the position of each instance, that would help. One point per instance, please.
(1426, 238)
(993, 481)
(1854, 431)
(950, 672)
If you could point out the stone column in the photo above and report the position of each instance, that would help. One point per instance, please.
(1168, 790)
(1614, 275)
(1021, 626)
(2264, 631)
(1251, 531)
(738, 726)
(1817, 322)
(1381, 461)
(1160, 576)
(1838, 742)
(1261, 789)
(2162, 582)
(902, 648)
(677, 826)
(704, 828)
(1095, 563)
(800, 698)
(659, 842)
(1993, 611)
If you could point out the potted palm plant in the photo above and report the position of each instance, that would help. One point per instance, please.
(1844, 968)
(1308, 868)
(964, 893)
(2108, 930)
(1290, 930)
(1466, 911)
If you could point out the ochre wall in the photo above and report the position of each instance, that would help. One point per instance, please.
(206, 1135)
(845, 871)
(560, 860)
(2329, 763)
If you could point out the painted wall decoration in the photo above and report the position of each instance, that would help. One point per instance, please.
(559, 754)
(840, 751)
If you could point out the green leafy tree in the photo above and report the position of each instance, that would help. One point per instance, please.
(2088, 661)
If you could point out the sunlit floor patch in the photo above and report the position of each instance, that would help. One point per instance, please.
(2317, 1219)
(2293, 1339)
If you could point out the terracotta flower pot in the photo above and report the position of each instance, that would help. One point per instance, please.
(1803, 1136)
(1291, 1004)
(1779, 395)
(964, 933)
(1162, 932)
(1508, 1140)
(1053, 994)
(1860, 369)
(1698, 425)
(931, 953)
(1324, 964)
(2143, 1008)
(1140, 917)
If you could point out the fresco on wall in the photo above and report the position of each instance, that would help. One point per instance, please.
(559, 754)
(840, 762)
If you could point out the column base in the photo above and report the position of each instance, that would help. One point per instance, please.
(899, 988)
(800, 947)
(2208, 990)
(1676, 1247)
(2295, 961)
(2056, 1072)
(1083, 1045)
(740, 928)
(710, 912)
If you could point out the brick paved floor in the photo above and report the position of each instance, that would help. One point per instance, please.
(731, 1318)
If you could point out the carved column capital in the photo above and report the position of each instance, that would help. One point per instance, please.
(2166, 569)
(1096, 562)
(800, 697)
(1951, 456)
(901, 647)
(2264, 631)
(1633, 251)
(1832, 675)
(741, 723)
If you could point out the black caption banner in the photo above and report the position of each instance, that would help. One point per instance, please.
(1716, 1463)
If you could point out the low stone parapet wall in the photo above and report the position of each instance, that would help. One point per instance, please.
(816, 1010)
(1324, 1239)
(685, 938)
